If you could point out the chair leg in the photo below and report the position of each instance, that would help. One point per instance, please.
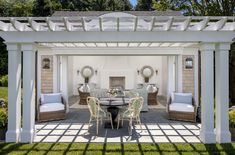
(122, 121)
(97, 126)
(118, 123)
(111, 121)
(139, 122)
(89, 122)
(130, 126)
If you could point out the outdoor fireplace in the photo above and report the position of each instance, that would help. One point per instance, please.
(117, 82)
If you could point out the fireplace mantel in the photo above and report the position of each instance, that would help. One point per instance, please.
(129, 75)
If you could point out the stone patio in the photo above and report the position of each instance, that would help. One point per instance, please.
(155, 128)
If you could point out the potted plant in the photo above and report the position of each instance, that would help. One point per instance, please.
(3, 123)
(232, 123)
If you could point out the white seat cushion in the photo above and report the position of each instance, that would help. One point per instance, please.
(50, 107)
(182, 107)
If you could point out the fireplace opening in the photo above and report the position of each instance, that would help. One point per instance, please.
(117, 82)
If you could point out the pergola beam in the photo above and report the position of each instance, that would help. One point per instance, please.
(121, 36)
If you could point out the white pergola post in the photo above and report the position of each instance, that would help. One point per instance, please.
(28, 129)
(56, 74)
(222, 93)
(178, 73)
(64, 79)
(207, 134)
(14, 93)
(171, 78)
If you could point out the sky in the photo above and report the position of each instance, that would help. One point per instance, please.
(133, 2)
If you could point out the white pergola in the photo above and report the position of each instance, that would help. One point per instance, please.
(119, 30)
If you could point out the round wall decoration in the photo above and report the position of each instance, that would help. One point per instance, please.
(147, 72)
(87, 72)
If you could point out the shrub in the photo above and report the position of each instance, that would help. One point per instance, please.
(4, 81)
(3, 118)
(232, 118)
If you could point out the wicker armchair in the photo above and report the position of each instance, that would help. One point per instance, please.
(50, 115)
(182, 115)
(152, 97)
(83, 97)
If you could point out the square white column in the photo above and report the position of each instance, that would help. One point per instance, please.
(56, 74)
(14, 93)
(179, 70)
(171, 76)
(207, 134)
(28, 129)
(222, 93)
(64, 80)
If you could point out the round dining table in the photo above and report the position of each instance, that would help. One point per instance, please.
(113, 104)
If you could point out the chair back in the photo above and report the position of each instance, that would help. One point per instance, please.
(131, 94)
(136, 105)
(93, 106)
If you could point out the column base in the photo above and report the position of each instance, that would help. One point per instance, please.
(207, 137)
(12, 135)
(223, 137)
(27, 136)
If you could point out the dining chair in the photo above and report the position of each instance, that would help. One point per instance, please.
(97, 113)
(132, 113)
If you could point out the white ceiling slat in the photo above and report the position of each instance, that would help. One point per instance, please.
(112, 44)
(144, 44)
(101, 44)
(123, 44)
(68, 26)
(80, 44)
(154, 44)
(34, 25)
(168, 24)
(51, 26)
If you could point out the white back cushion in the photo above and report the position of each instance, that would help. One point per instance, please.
(51, 98)
(182, 98)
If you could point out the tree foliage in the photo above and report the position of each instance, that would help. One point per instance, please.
(15, 8)
(144, 5)
(197, 7)
(3, 58)
(46, 7)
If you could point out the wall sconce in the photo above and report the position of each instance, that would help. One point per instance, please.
(138, 71)
(46, 63)
(156, 71)
(189, 63)
(96, 72)
(78, 72)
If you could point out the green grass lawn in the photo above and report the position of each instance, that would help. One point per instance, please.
(3, 92)
(114, 148)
